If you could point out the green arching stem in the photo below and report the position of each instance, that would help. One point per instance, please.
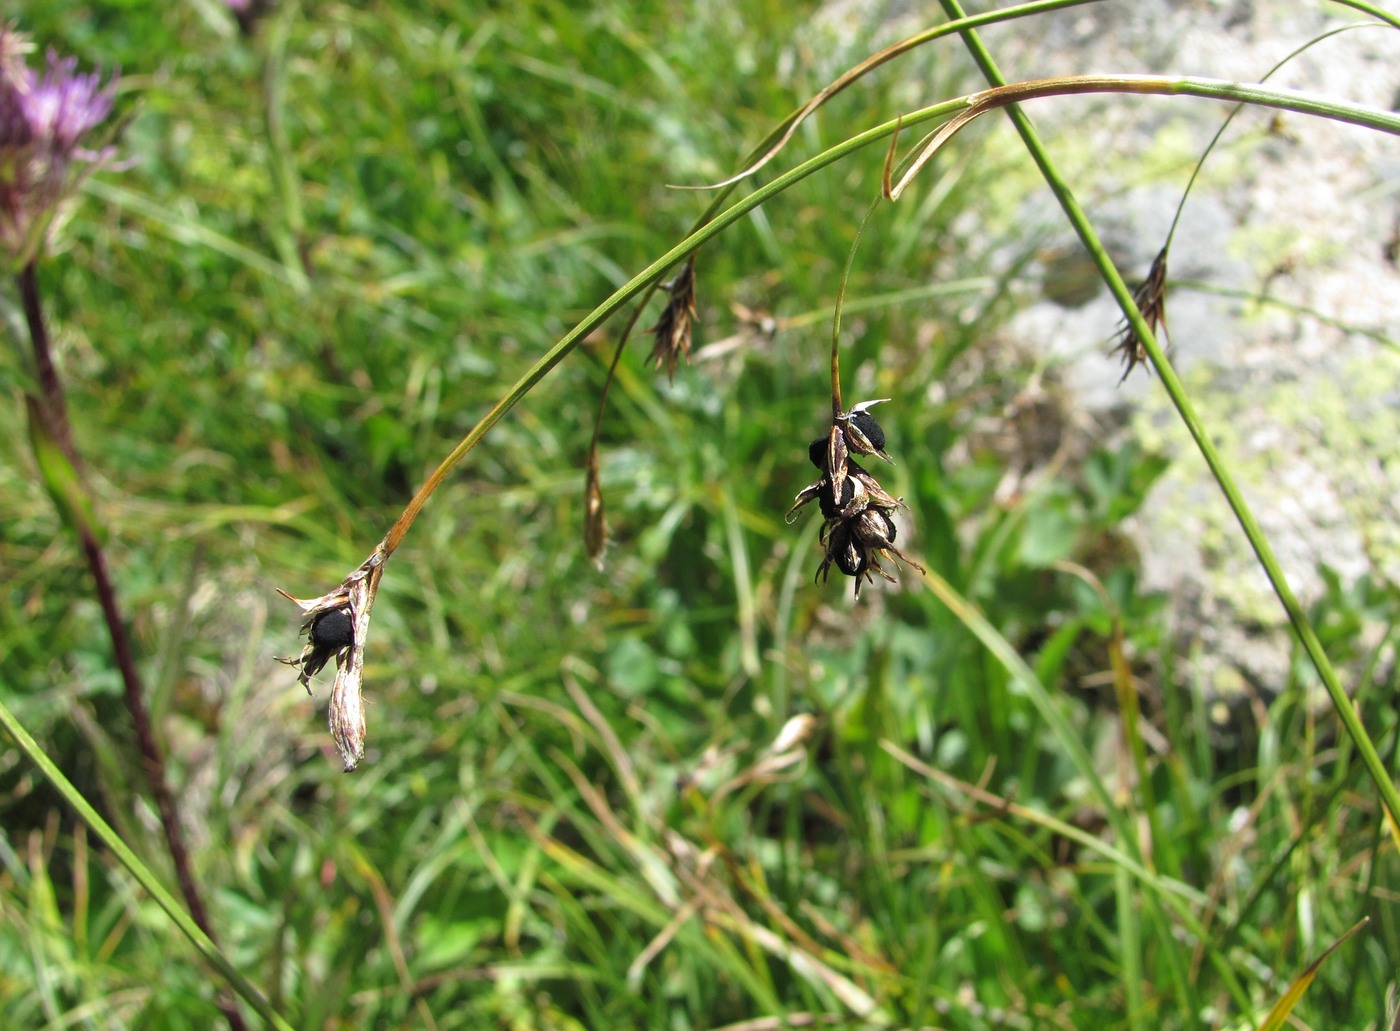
(142, 873)
(641, 281)
(777, 138)
(1384, 121)
(1287, 100)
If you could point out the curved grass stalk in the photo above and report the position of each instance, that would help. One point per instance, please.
(779, 138)
(1005, 96)
(595, 524)
(358, 589)
(642, 281)
(148, 880)
(1214, 140)
(1287, 100)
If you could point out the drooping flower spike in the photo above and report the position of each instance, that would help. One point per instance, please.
(336, 625)
(673, 330)
(1151, 299)
(857, 528)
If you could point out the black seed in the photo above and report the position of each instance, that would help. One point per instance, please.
(816, 451)
(332, 631)
(830, 507)
(875, 528)
(851, 559)
(870, 429)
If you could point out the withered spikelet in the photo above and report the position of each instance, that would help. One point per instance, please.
(672, 330)
(336, 625)
(1151, 299)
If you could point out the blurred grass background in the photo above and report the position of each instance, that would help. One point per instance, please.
(334, 243)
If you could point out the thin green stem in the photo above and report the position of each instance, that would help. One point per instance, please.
(141, 872)
(1200, 164)
(1385, 121)
(836, 406)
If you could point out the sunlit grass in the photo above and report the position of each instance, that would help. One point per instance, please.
(572, 812)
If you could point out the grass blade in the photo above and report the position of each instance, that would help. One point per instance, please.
(141, 872)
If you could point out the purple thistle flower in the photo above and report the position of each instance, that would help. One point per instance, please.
(62, 106)
(248, 13)
(43, 120)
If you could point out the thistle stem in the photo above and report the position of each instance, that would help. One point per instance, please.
(54, 411)
(55, 406)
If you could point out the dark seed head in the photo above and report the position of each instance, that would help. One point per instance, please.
(874, 528)
(865, 426)
(850, 556)
(332, 631)
(831, 506)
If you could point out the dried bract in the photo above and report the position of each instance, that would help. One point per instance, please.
(672, 330)
(1151, 300)
(595, 524)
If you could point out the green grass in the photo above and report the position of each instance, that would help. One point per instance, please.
(336, 245)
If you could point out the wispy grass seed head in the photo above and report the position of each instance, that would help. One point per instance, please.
(1151, 300)
(673, 330)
